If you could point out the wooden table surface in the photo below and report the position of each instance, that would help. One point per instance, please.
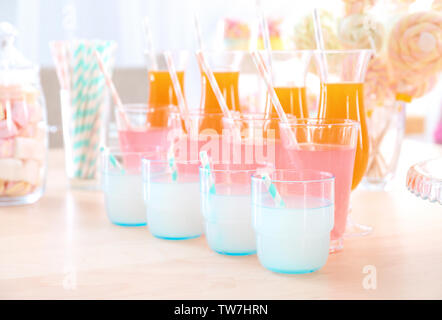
(63, 247)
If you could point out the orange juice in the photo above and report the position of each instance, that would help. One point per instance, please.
(161, 94)
(228, 84)
(293, 101)
(346, 101)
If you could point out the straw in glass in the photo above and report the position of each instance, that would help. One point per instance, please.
(184, 110)
(112, 88)
(272, 190)
(212, 80)
(171, 161)
(149, 42)
(205, 163)
(199, 37)
(114, 161)
(95, 104)
(267, 46)
(319, 38)
(260, 64)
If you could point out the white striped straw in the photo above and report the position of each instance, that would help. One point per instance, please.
(265, 34)
(205, 163)
(320, 41)
(199, 37)
(108, 80)
(112, 88)
(149, 42)
(171, 161)
(184, 110)
(260, 64)
(272, 190)
(267, 46)
(212, 80)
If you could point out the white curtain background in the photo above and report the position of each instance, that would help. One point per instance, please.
(40, 21)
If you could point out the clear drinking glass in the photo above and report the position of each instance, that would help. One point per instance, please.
(85, 105)
(226, 206)
(386, 126)
(122, 185)
(342, 74)
(140, 128)
(172, 196)
(324, 145)
(293, 236)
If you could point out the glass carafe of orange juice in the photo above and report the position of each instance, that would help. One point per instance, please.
(342, 74)
(225, 66)
(289, 70)
(161, 92)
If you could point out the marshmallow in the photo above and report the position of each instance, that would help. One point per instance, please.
(35, 112)
(29, 148)
(33, 130)
(7, 129)
(17, 189)
(6, 148)
(11, 169)
(31, 172)
(2, 110)
(20, 113)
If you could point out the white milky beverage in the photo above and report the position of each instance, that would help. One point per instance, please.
(124, 199)
(229, 224)
(174, 210)
(295, 239)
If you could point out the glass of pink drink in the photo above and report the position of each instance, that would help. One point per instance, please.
(324, 145)
(138, 129)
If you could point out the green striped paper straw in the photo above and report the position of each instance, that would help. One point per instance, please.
(172, 162)
(88, 99)
(205, 163)
(272, 190)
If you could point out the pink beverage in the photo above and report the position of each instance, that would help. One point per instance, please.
(140, 141)
(222, 150)
(336, 159)
(152, 141)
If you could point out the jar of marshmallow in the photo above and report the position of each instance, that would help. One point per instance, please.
(23, 126)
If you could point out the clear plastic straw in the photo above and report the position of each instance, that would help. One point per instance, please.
(149, 42)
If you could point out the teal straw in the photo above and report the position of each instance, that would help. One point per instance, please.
(273, 190)
(172, 162)
(205, 163)
(114, 161)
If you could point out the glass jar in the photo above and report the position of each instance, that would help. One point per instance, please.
(23, 125)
